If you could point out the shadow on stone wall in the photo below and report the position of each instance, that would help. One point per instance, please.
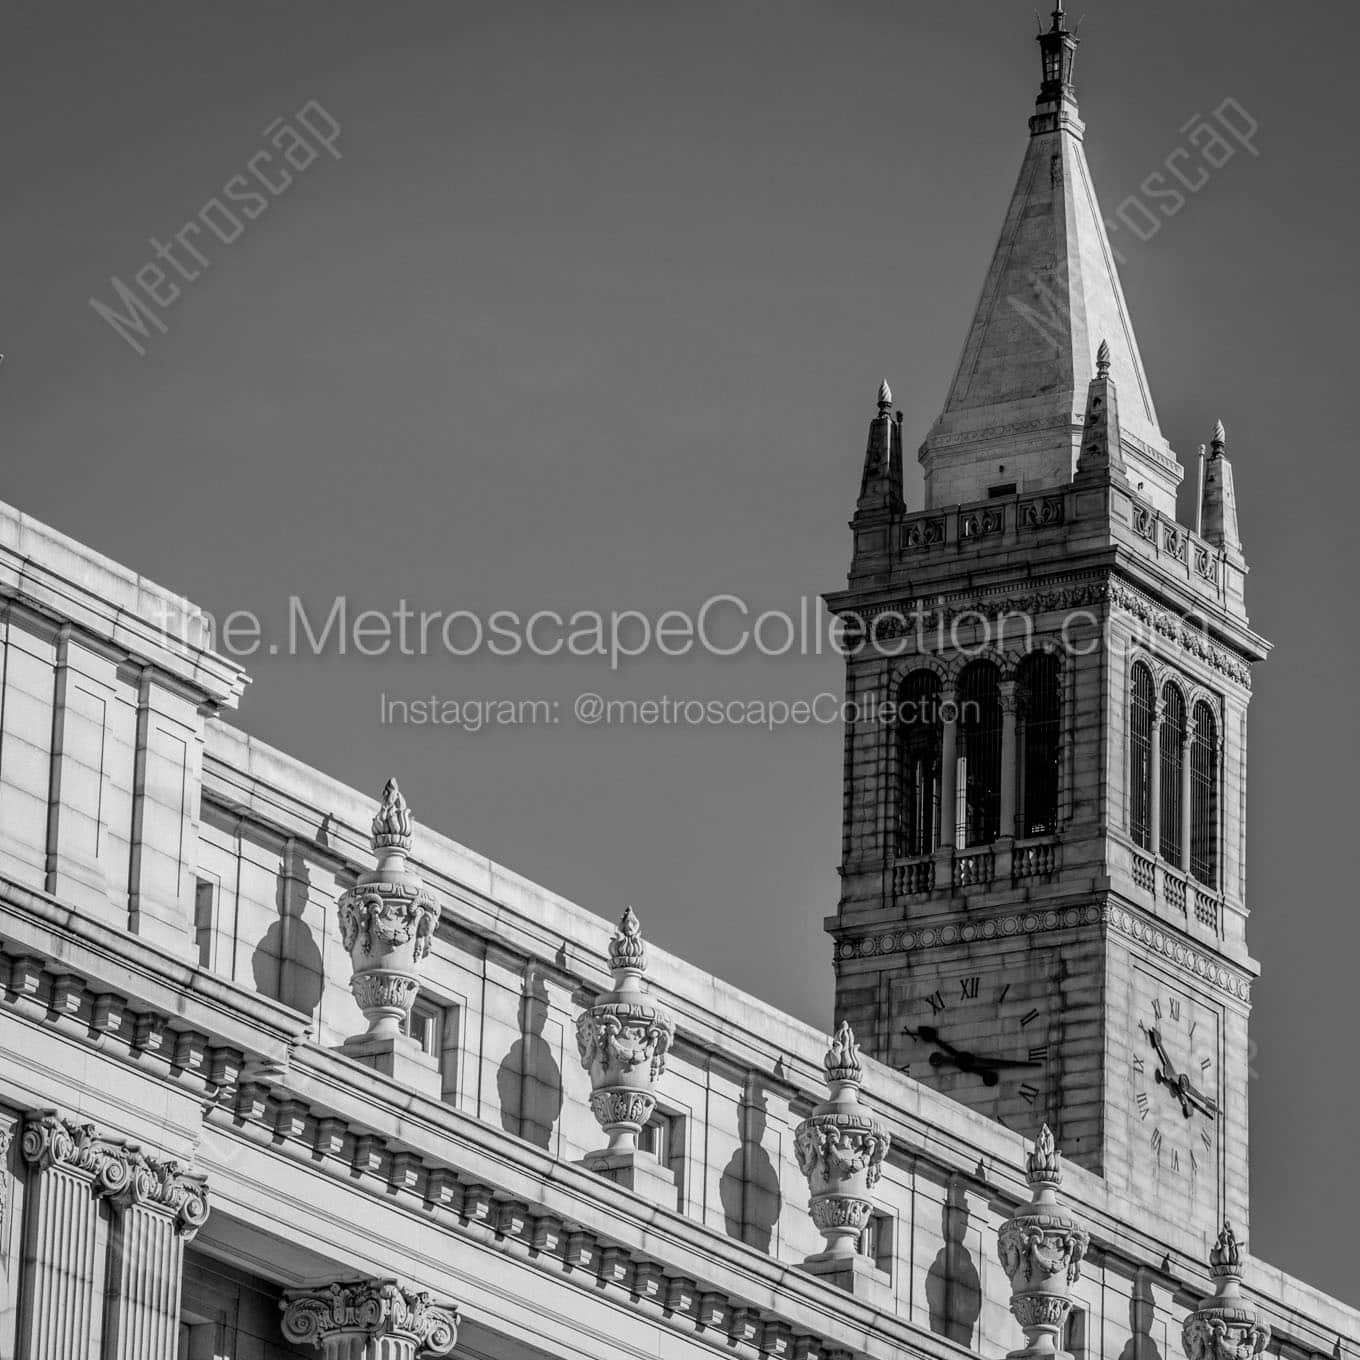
(287, 963)
(749, 1188)
(1142, 1316)
(529, 1081)
(953, 1286)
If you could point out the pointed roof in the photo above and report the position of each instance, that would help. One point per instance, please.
(1051, 295)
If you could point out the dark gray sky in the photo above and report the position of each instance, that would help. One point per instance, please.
(590, 314)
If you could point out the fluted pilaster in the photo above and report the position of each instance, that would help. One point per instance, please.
(74, 1290)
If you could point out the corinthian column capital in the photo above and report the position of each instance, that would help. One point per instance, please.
(369, 1319)
(117, 1169)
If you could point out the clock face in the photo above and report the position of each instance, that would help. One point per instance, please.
(985, 1037)
(1176, 1101)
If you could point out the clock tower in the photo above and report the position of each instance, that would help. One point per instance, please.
(1043, 901)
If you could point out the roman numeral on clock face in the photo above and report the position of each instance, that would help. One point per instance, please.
(936, 1003)
(1029, 1018)
(1207, 1139)
(1029, 1094)
(1039, 1054)
(968, 988)
(1142, 1100)
(1175, 1159)
(1157, 1007)
(1139, 1064)
(1157, 1141)
(1175, 1008)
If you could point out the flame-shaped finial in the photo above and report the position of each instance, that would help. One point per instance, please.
(884, 397)
(392, 824)
(1225, 1258)
(842, 1058)
(1103, 360)
(1220, 437)
(1043, 1166)
(626, 949)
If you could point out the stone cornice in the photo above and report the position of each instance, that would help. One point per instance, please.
(121, 1171)
(335, 1118)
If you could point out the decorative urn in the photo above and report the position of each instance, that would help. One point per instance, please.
(386, 921)
(1226, 1326)
(840, 1149)
(1041, 1247)
(623, 1040)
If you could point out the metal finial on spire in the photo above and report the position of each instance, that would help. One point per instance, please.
(1059, 48)
(1103, 360)
(884, 397)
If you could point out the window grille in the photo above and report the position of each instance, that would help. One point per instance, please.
(1172, 758)
(1204, 797)
(1038, 731)
(979, 755)
(919, 743)
(1140, 757)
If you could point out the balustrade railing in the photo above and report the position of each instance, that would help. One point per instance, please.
(913, 877)
(1037, 859)
(973, 869)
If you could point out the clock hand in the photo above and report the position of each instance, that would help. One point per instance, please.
(1206, 1103)
(927, 1034)
(997, 1063)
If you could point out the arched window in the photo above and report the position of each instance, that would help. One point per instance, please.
(1037, 724)
(978, 790)
(1204, 796)
(1140, 756)
(918, 757)
(1172, 756)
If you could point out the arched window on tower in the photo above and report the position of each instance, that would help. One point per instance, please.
(1204, 797)
(1172, 757)
(978, 790)
(1142, 704)
(918, 757)
(1038, 728)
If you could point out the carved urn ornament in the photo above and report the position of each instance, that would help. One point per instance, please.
(370, 1320)
(840, 1149)
(1041, 1248)
(1226, 1326)
(386, 921)
(623, 1040)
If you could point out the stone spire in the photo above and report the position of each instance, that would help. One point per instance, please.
(880, 502)
(1101, 458)
(1225, 1327)
(1041, 1247)
(1218, 513)
(1051, 295)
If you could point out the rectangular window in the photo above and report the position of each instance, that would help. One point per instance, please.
(663, 1136)
(1001, 489)
(876, 1242)
(434, 1026)
(205, 899)
(1074, 1334)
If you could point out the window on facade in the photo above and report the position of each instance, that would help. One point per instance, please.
(978, 791)
(918, 754)
(434, 1027)
(205, 897)
(663, 1135)
(1037, 731)
(1172, 759)
(1204, 796)
(1074, 1334)
(876, 1241)
(1141, 707)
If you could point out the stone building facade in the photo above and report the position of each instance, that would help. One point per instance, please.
(286, 1073)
